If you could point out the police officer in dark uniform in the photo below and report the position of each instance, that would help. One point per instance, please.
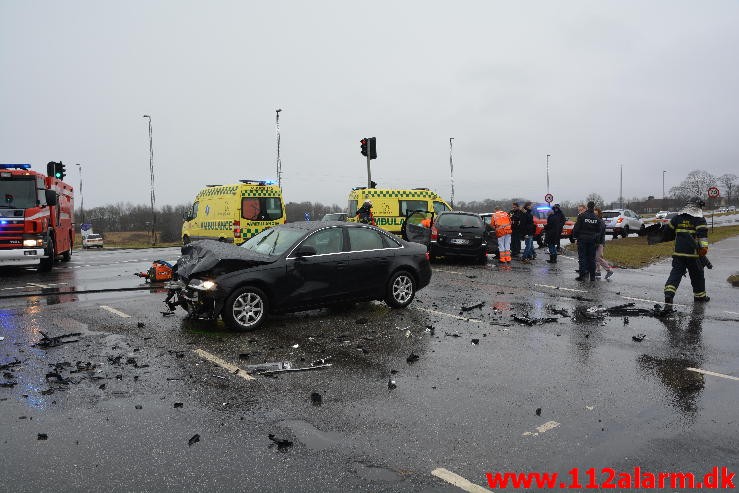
(691, 243)
(516, 215)
(587, 231)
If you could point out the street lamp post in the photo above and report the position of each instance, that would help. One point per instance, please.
(451, 169)
(279, 162)
(548, 174)
(151, 176)
(664, 198)
(82, 197)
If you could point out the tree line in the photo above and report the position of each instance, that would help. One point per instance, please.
(126, 217)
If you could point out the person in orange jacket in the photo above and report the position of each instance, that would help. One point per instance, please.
(501, 221)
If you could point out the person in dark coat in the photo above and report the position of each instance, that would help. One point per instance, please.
(580, 259)
(587, 232)
(364, 213)
(516, 214)
(553, 232)
(528, 228)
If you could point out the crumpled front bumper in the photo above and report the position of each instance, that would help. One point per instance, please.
(198, 304)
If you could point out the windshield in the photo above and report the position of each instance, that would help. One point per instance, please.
(18, 193)
(459, 221)
(273, 241)
(609, 214)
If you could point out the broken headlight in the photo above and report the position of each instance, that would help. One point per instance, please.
(201, 285)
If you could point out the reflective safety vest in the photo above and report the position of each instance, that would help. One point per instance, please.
(691, 233)
(501, 221)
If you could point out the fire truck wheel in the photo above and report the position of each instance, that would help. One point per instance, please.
(47, 263)
(67, 256)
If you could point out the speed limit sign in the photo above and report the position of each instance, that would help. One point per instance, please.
(549, 198)
(713, 192)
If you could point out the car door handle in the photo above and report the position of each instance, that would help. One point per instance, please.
(340, 265)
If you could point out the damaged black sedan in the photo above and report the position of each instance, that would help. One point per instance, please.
(297, 266)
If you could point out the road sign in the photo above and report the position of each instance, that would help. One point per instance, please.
(713, 192)
(549, 198)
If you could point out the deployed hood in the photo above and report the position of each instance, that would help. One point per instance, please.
(216, 258)
(692, 210)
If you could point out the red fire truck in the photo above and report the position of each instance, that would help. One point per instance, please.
(36, 212)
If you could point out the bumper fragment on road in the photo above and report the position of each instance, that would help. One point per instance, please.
(233, 369)
(458, 481)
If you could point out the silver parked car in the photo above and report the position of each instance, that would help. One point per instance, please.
(623, 222)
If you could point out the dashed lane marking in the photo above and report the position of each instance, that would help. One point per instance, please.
(42, 286)
(458, 481)
(713, 373)
(233, 369)
(114, 311)
(451, 272)
(458, 317)
(549, 425)
(561, 288)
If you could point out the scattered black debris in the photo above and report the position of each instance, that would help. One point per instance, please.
(639, 337)
(102, 387)
(42, 436)
(391, 384)
(7, 366)
(48, 342)
(131, 361)
(282, 443)
(626, 320)
(316, 399)
(538, 411)
(475, 342)
(141, 325)
(453, 334)
(361, 321)
(48, 391)
(243, 356)
(412, 358)
(119, 377)
(139, 406)
(178, 405)
(472, 277)
(55, 377)
(526, 320)
(393, 372)
(321, 361)
(562, 312)
(628, 309)
(468, 308)
(587, 335)
(8, 385)
(192, 441)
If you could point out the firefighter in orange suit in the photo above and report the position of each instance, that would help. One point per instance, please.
(501, 221)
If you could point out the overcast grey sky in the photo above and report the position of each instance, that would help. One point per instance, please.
(651, 85)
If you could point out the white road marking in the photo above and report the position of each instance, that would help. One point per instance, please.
(42, 286)
(549, 425)
(713, 373)
(648, 301)
(435, 312)
(561, 288)
(114, 311)
(233, 369)
(732, 313)
(458, 481)
(451, 272)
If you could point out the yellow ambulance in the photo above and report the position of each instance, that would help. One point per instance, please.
(234, 213)
(390, 205)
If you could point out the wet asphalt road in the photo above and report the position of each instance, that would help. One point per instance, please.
(605, 399)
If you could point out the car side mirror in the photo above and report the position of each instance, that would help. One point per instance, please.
(187, 216)
(305, 251)
(51, 197)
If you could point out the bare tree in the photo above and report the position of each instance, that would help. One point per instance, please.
(729, 184)
(595, 197)
(696, 184)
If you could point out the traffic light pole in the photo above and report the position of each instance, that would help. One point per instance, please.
(369, 173)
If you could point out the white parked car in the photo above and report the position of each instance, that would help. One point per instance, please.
(732, 208)
(92, 240)
(623, 222)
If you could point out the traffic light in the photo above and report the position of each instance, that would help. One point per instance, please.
(60, 171)
(372, 148)
(364, 146)
(50, 168)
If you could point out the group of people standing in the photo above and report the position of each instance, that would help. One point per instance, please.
(518, 225)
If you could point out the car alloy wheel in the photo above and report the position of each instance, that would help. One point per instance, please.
(245, 309)
(401, 290)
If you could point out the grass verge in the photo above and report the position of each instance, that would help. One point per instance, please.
(128, 239)
(634, 252)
